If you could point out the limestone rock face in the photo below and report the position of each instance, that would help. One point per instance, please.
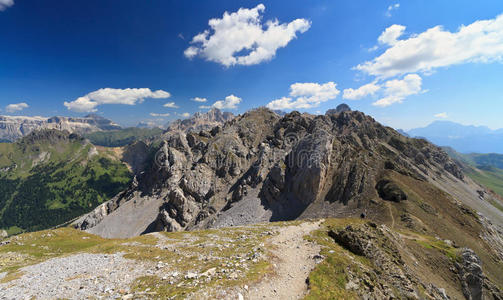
(136, 155)
(260, 166)
(14, 127)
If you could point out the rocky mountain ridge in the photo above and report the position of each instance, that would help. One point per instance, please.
(263, 167)
(15, 127)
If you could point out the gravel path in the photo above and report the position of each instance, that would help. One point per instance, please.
(109, 276)
(294, 261)
(75, 277)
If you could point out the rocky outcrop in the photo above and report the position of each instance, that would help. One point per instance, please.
(389, 278)
(475, 285)
(388, 190)
(15, 127)
(340, 108)
(471, 275)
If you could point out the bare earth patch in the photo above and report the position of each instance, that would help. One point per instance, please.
(294, 260)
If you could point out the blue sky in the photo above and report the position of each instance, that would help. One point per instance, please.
(102, 51)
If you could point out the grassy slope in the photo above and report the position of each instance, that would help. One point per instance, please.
(490, 177)
(123, 137)
(48, 182)
(433, 213)
(486, 169)
(435, 217)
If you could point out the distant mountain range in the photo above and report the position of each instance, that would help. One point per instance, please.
(15, 127)
(463, 138)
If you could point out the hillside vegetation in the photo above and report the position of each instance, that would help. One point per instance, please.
(50, 177)
(122, 137)
(486, 169)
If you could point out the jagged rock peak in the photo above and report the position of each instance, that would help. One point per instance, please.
(202, 121)
(340, 108)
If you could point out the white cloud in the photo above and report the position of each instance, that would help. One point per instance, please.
(89, 102)
(391, 8)
(442, 115)
(396, 90)
(481, 41)
(160, 115)
(185, 115)
(230, 102)
(363, 91)
(374, 48)
(198, 99)
(4, 4)
(82, 104)
(391, 34)
(16, 106)
(171, 105)
(243, 31)
(306, 95)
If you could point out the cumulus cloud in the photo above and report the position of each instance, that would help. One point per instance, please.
(392, 8)
(160, 115)
(16, 107)
(306, 95)
(361, 92)
(396, 90)
(4, 4)
(481, 41)
(241, 38)
(198, 99)
(391, 34)
(230, 102)
(89, 102)
(442, 115)
(171, 105)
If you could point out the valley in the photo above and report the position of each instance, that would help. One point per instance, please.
(50, 177)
